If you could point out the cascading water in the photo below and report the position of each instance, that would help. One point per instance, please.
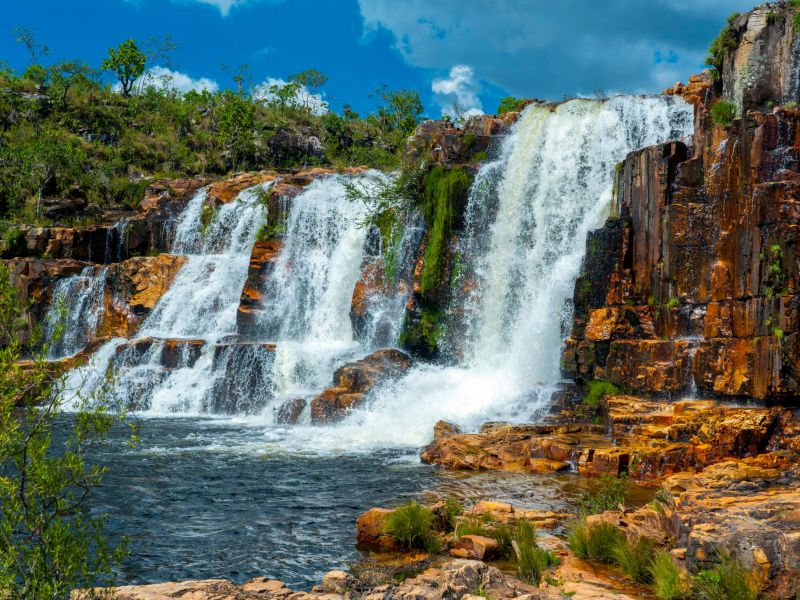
(526, 224)
(305, 331)
(307, 300)
(527, 219)
(75, 312)
(200, 305)
(231, 483)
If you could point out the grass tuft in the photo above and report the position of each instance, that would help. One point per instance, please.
(595, 542)
(668, 583)
(411, 525)
(532, 561)
(729, 580)
(635, 558)
(723, 113)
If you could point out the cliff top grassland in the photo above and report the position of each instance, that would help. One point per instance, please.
(66, 132)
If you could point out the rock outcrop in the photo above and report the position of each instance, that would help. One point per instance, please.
(763, 69)
(645, 439)
(353, 381)
(444, 143)
(133, 287)
(453, 579)
(693, 285)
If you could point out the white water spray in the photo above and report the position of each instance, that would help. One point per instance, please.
(75, 312)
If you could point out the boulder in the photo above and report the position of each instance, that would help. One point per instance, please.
(370, 528)
(476, 547)
(289, 412)
(353, 381)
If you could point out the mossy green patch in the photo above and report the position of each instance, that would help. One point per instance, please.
(443, 189)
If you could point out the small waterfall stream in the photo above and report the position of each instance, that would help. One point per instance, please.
(76, 310)
(188, 358)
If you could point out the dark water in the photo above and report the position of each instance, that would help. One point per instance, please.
(201, 499)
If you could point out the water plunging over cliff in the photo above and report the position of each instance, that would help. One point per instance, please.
(198, 310)
(527, 219)
(189, 358)
(76, 309)
(526, 223)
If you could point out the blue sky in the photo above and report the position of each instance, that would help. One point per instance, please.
(471, 52)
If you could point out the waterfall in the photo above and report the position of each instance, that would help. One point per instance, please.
(188, 357)
(198, 311)
(75, 311)
(526, 222)
(308, 298)
(527, 218)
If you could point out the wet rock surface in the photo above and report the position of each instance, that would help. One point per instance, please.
(353, 381)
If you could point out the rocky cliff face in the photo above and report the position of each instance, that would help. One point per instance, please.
(693, 284)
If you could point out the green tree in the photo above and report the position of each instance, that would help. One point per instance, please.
(400, 109)
(241, 76)
(27, 38)
(127, 62)
(66, 75)
(309, 81)
(49, 542)
(509, 104)
(33, 161)
(236, 124)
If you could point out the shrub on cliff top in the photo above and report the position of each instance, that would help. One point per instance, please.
(411, 525)
(723, 113)
(509, 104)
(725, 42)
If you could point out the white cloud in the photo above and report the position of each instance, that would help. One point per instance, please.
(303, 97)
(458, 92)
(224, 6)
(162, 77)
